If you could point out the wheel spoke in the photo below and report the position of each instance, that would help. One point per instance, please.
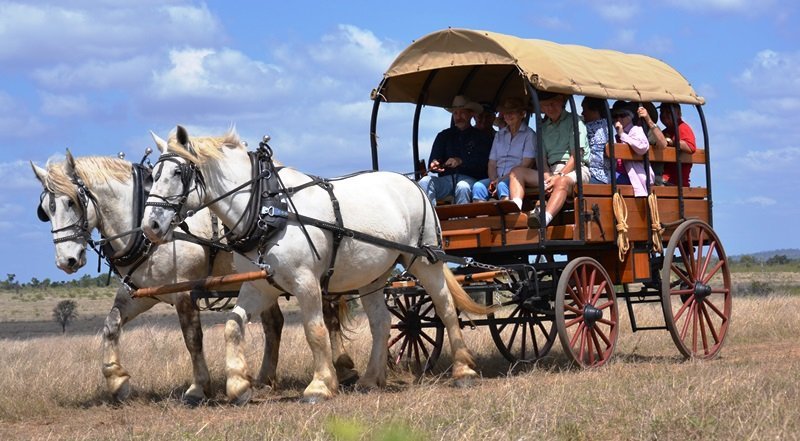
(576, 335)
(396, 339)
(681, 292)
(597, 345)
(575, 295)
(683, 276)
(688, 259)
(512, 315)
(534, 342)
(716, 310)
(572, 309)
(603, 336)
(707, 260)
(573, 321)
(513, 336)
(428, 307)
(680, 312)
(701, 321)
(608, 322)
(710, 323)
(713, 271)
(590, 287)
(427, 337)
(687, 321)
(605, 305)
(423, 347)
(699, 260)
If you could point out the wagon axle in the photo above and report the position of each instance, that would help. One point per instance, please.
(701, 290)
(591, 315)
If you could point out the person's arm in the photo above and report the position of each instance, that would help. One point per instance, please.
(687, 143)
(636, 139)
(492, 170)
(438, 154)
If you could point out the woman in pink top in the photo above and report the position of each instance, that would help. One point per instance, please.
(627, 132)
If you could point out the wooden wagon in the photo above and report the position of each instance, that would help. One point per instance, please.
(563, 280)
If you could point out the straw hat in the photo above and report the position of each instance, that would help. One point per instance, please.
(462, 102)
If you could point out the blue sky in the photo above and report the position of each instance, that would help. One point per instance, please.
(96, 76)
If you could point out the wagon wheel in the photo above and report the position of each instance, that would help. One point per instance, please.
(522, 329)
(415, 341)
(586, 312)
(696, 290)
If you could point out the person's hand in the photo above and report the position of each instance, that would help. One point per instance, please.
(493, 186)
(436, 167)
(669, 140)
(548, 184)
(618, 127)
(644, 115)
(452, 162)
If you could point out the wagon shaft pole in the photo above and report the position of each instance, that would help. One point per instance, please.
(489, 275)
(208, 282)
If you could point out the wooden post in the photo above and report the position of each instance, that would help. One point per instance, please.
(208, 282)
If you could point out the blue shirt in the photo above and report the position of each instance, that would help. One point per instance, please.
(509, 152)
(599, 165)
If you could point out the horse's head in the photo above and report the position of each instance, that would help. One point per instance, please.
(176, 187)
(65, 203)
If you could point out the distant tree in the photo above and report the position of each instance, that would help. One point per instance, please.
(748, 260)
(778, 260)
(64, 312)
(35, 282)
(46, 283)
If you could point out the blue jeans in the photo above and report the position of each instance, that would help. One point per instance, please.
(480, 191)
(439, 187)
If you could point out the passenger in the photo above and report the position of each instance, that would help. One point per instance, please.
(485, 119)
(687, 144)
(597, 130)
(627, 132)
(514, 145)
(648, 115)
(459, 155)
(559, 169)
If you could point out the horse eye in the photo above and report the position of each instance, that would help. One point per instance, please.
(71, 203)
(177, 171)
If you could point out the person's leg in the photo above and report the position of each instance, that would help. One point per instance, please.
(463, 189)
(429, 187)
(502, 189)
(480, 190)
(518, 179)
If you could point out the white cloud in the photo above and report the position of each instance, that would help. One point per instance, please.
(761, 201)
(352, 49)
(734, 6)
(17, 175)
(772, 74)
(65, 106)
(97, 74)
(773, 160)
(617, 11)
(45, 33)
(550, 22)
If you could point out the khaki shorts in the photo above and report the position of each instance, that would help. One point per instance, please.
(573, 177)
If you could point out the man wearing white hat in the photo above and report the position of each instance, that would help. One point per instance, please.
(459, 155)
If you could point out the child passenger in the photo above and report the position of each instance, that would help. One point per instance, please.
(597, 130)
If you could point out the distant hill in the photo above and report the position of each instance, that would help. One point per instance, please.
(791, 253)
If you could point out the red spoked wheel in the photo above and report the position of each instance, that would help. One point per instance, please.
(696, 290)
(417, 334)
(586, 313)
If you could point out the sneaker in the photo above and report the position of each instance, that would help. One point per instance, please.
(533, 218)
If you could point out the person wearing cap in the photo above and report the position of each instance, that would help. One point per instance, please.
(514, 145)
(459, 155)
(558, 144)
(485, 120)
(626, 132)
(648, 115)
(687, 143)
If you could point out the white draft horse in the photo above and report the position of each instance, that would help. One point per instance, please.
(385, 205)
(89, 193)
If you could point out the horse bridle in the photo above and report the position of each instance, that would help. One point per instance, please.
(189, 174)
(81, 225)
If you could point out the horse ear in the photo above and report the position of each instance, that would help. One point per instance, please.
(41, 174)
(160, 143)
(69, 164)
(182, 135)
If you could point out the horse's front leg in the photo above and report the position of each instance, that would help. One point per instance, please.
(189, 318)
(251, 301)
(124, 310)
(324, 384)
(272, 323)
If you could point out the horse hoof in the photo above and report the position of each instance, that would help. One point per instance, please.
(244, 398)
(349, 380)
(123, 392)
(313, 399)
(464, 382)
(192, 400)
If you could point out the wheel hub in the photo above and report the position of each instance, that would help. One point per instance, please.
(701, 290)
(591, 315)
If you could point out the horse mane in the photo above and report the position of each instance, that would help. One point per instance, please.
(91, 169)
(206, 147)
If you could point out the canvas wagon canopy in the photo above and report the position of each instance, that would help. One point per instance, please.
(488, 66)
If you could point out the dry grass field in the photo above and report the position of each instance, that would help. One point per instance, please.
(52, 387)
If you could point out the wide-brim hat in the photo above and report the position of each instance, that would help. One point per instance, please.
(624, 107)
(512, 105)
(462, 102)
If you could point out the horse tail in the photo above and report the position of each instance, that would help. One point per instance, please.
(462, 300)
(336, 313)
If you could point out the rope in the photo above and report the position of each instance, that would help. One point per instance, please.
(657, 228)
(621, 214)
